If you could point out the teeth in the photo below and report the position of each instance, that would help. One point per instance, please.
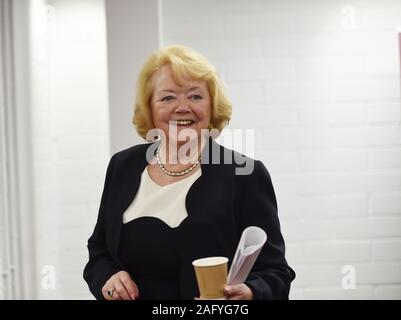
(184, 122)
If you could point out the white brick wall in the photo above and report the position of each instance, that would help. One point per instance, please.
(2, 292)
(2, 230)
(71, 137)
(323, 94)
(324, 101)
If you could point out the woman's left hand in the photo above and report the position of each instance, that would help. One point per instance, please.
(238, 292)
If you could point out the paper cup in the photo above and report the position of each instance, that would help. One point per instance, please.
(211, 275)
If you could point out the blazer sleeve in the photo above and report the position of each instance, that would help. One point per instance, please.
(271, 276)
(100, 266)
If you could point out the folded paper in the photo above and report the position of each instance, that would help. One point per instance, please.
(251, 243)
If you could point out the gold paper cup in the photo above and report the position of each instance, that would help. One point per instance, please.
(211, 275)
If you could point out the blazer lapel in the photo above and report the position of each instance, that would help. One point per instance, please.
(131, 169)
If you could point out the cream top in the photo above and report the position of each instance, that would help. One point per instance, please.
(166, 203)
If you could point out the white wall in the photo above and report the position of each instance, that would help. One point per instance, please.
(132, 35)
(319, 81)
(321, 90)
(77, 125)
(2, 252)
(16, 231)
(70, 136)
(2, 166)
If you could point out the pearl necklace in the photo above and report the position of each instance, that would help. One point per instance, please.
(174, 173)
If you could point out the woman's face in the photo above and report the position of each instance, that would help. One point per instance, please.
(188, 106)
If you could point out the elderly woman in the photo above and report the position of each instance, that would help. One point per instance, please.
(182, 197)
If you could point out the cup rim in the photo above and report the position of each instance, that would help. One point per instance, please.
(209, 261)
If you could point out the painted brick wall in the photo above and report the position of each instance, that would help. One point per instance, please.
(70, 138)
(2, 230)
(319, 82)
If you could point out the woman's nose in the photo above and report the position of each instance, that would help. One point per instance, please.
(182, 105)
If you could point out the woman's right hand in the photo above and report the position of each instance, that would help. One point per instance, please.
(121, 286)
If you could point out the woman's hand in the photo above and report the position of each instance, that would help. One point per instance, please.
(120, 286)
(238, 292)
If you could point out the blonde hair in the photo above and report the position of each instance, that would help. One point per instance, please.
(184, 62)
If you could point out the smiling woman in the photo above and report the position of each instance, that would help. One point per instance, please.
(186, 106)
(173, 66)
(159, 211)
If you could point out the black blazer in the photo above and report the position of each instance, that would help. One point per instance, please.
(225, 202)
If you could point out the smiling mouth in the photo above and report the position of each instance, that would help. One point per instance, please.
(182, 123)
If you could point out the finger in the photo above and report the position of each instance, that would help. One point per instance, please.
(114, 296)
(228, 290)
(131, 287)
(136, 289)
(122, 292)
(106, 294)
(105, 290)
(234, 290)
(238, 292)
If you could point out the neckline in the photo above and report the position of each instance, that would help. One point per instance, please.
(197, 174)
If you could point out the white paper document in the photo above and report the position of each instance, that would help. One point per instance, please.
(249, 247)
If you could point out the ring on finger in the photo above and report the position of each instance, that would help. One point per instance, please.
(110, 292)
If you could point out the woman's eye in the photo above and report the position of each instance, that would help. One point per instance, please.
(168, 98)
(196, 97)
